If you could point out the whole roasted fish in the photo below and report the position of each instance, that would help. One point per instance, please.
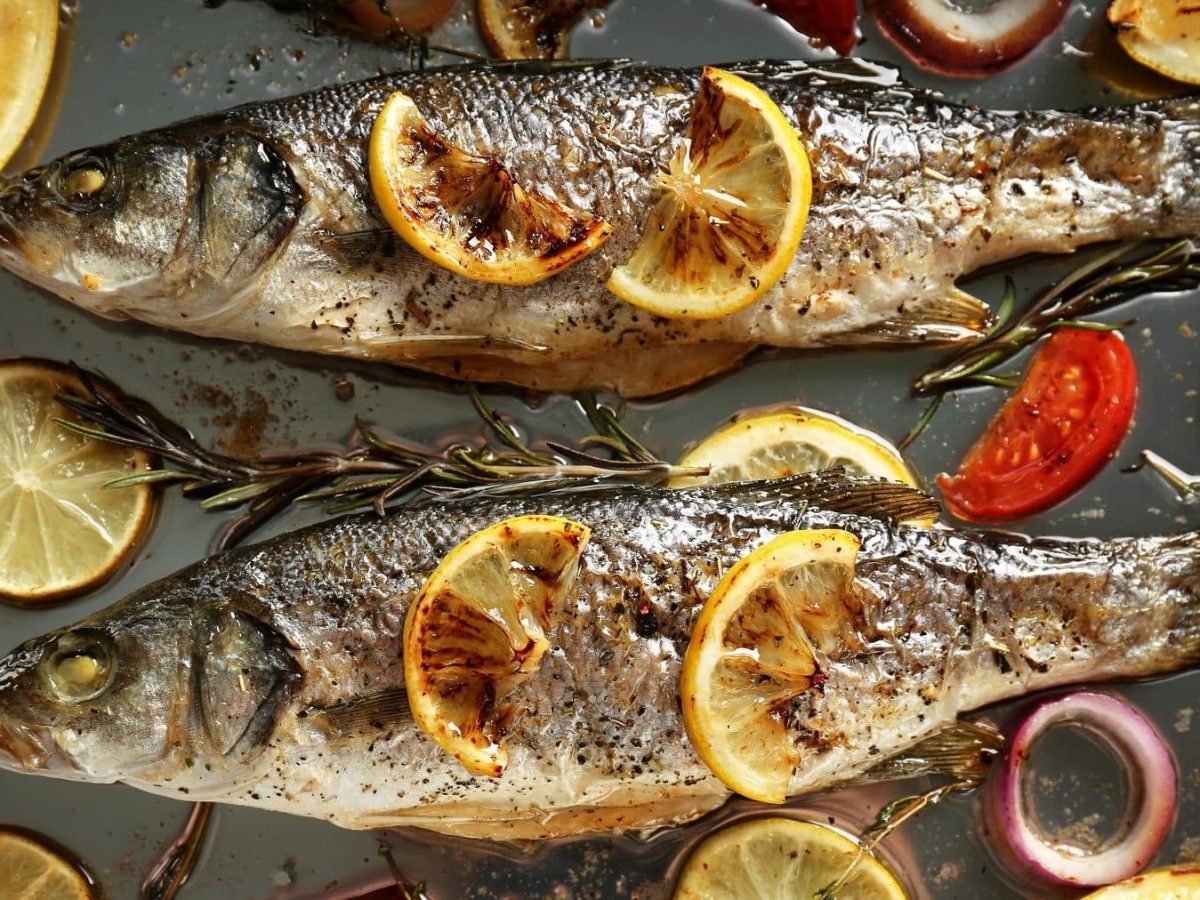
(259, 224)
(272, 676)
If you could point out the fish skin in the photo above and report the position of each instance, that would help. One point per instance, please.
(311, 623)
(258, 224)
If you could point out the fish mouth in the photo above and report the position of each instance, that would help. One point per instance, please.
(29, 748)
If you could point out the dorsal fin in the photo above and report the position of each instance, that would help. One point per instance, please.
(836, 490)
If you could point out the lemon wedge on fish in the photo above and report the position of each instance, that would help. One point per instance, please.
(1171, 883)
(479, 628)
(28, 33)
(1161, 34)
(791, 441)
(752, 653)
(65, 533)
(465, 212)
(770, 858)
(31, 870)
(734, 202)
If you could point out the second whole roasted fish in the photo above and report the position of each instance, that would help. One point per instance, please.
(259, 224)
(272, 676)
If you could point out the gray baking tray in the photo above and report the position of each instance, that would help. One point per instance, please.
(136, 64)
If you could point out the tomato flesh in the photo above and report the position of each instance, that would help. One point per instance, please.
(1063, 424)
(827, 23)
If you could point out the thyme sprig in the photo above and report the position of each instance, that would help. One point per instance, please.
(891, 817)
(374, 471)
(1187, 484)
(1121, 274)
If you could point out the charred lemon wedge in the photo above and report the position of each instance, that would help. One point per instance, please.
(786, 442)
(28, 33)
(531, 29)
(764, 859)
(752, 652)
(734, 201)
(64, 533)
(479, 628)
(465, 212)
(31, 870)
(1161, 34)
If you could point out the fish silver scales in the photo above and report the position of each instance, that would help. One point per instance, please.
(271, 676)
(259, 224)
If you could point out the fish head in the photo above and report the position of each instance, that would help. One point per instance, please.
(174, 675)
(95, 701)
(127, 229)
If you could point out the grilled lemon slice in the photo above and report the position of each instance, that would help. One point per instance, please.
(788, 442)
(772, 858)
(1172, 883)
(64, 533)
(465, 212)
(28, 33)
(31, 870)
(531, 29)
(752, 653)
(735, 199)
(1161, 34)
(478, 629)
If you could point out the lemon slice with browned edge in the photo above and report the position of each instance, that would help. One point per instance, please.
(531, 29)
(479, 628)
(65, 533)
(28, 32)
(464, 211)
(784, 442)
(32, 870)
(752, 653)
(1161, 34)
(1171, 883)
(734, 202)
(776, 858)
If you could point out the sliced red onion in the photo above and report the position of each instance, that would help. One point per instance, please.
(942, 36)
(1152, 799)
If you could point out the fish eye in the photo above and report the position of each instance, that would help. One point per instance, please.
(84, 182)
(80, 668)
(82, 179)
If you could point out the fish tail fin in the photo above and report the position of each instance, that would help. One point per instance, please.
(952, 317)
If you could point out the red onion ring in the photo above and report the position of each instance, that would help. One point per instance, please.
(938, 35)
(1152, 772)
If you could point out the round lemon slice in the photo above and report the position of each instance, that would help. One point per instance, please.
(28, 33)
(772, 858)
(735, 199)
(479, 628)
(31, 870)
(788, 442)
(1161, 34)
(753, 652)
(64, 532)
(1171, 883)
(465, 212)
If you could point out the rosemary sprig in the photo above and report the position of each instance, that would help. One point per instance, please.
(888, 820)
(374, 472)
(1111, 278)
(1116, 276)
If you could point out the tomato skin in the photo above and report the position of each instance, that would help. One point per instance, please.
(1062, 425)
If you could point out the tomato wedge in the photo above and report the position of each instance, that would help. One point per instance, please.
(1062, 425)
